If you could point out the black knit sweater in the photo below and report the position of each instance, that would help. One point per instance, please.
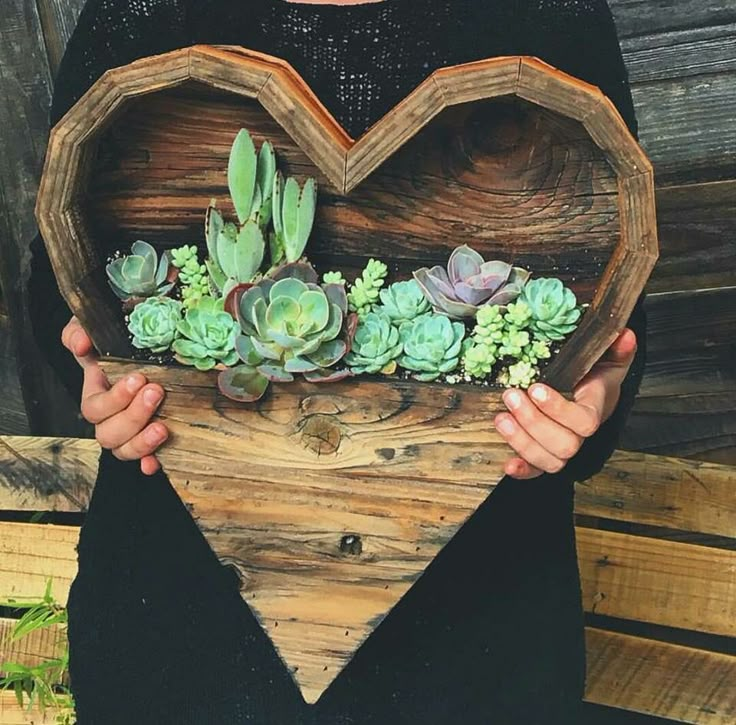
(493, 631)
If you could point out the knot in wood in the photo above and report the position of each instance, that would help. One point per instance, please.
(321, 434)
(351, 544)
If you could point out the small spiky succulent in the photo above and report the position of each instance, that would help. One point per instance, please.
(554, 309)
(376, 345)
(140, 274)
(403, 301)
(207, 336)
(293, 217)
(153, 323)
(469, 282)
(519, 375)
(363, 294)
(181, 255)
(432, 345)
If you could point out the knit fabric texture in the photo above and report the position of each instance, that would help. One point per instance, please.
(492, 633)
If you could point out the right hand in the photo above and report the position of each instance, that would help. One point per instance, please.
(121, 413)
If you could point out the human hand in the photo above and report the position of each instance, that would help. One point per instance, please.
(121, 412)
(546, 429)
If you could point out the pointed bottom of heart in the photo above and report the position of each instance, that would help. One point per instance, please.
(329, 500)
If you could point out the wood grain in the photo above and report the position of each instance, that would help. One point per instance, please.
(12, 714)
(33, 649)
(656, 678)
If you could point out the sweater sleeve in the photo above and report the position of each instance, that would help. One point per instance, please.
(579, 37)
(107, 35)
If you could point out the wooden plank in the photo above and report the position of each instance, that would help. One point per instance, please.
(24, 99)
(47, 474)
(12, 714)
(663, 582)
(657, 678)
(676, 493)
(58, 19)
(30, 554)
(14, 418)
(38, 646)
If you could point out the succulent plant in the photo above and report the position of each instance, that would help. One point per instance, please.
(518, 375)
(432, 345)
(489, 325)
(470, 282)
(153, 323)
(207, 336)
(376, 344)
(293, 217)
(333, 278)
(555, 313)
(140, 274)
(181, 255)
(403, 301)
(363, 293)
(193, 274)
(235, 253)
(535, 351)
(518, 314)
(250, 177)
(513, 342)
(289, 326)
(479, 359)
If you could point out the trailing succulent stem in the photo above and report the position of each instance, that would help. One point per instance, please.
(364, 292)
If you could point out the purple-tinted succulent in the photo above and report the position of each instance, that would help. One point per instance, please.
(469, 282)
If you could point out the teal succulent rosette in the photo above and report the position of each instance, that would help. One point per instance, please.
(376, 344)
(432, 345)
(554, 310)
(403, 301)
(207, 336)
(154, 323)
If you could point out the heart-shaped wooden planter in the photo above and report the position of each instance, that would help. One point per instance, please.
(331, 500)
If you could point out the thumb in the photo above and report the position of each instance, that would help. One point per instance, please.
(622, 349)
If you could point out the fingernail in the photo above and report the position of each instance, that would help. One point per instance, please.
(154, 436)
(513, 399)
(539, 394)
(151, 397)
(505, 425)
(133, 383)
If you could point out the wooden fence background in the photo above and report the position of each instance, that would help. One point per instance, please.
(681, 57)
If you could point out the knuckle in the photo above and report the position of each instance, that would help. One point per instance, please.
(556, 466)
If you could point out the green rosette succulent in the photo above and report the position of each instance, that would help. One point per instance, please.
(554, 309)
(153, 323)
(376, 344)
(535, 351)
(207, 336)
(518, 315)
(513, 342)
(432, 345)
(518, 375)
(289, 325)
(140, 274)
(181, 255)
(479, 359)
(363, 294)
(333, 278)
(403, 301)
(489, 325)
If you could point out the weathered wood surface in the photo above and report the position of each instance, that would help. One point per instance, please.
(657, 678)
(12, 714)
(42, 644)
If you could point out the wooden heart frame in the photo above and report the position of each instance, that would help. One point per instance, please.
(332, 500)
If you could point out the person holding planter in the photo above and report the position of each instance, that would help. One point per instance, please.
(493, 631)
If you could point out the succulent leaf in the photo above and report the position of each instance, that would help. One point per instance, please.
(242, 383)
(375, 345)
(207, 336)
(554, 310)
(153, 323)
(403, 301)
(432, 345)
(140, 274)
(241, 174)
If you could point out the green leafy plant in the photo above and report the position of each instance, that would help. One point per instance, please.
(364, 292)
(376, 345)
(207, 336)
(250, 178)
(432, 345)
(40, 684)
(139, 274)
(290, 325)
(403, 301)
(154, 322)
(554, 310)
(519, 375)
(293, 217)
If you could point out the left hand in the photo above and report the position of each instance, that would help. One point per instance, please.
(546, 429)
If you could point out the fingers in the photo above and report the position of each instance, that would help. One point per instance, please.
(78, 342)
(519, 468)
(143, 445)
(529, 449)
(581, 418)
(556, 438)
(623, 348)
(100, 401)
(149, 465)
(116, 431)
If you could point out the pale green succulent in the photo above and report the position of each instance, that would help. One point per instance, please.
(193, 296)
(289, 326)
(181, 255)
(333, 278)
(554, 308)
(518, 314)
(535, 351)
(489, 326)
(513, 342)
(376, 344)
(140, 274)
(363, 294)
(432, 345)
(293, 217)
(153, 323)
(207, 336)
(479, 359)
(193, 274)
(403, 301)
(250, 178)
(235, 253)
(518, 375)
